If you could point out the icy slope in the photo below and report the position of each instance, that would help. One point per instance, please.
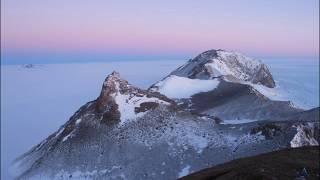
(181, 87)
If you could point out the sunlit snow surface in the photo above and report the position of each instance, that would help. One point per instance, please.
(35, 102)
(182, 87)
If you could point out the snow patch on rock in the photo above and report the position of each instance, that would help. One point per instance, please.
(185, 171)
(304, 136)
(249, 63)
(59, 132)
(127, 104)
(118, 96)
(183, 87)
(78, 121)
(67, 136)
(242, 121)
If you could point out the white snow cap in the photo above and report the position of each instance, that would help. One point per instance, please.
(231, 66)
(204, 73)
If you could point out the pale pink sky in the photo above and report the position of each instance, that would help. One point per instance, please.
(258, 28)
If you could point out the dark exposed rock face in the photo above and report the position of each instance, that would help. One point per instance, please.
(108, 89)
(112, 113)
(105, 103)
(219, 63)
(269, 130)
(264, 77)
(146, 106)
(196, 68)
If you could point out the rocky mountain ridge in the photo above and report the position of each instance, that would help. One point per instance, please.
(131, 133)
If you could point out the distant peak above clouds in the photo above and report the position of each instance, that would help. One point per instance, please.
(231, 66)
(227, 85)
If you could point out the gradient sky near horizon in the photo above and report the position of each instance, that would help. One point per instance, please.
(78, 30)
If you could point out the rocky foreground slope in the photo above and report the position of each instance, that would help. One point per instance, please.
(287, 164)
(130, 133)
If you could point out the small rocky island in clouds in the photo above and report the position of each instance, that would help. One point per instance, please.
(217, 107)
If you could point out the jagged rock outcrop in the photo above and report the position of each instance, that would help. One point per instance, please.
(120, 101)
(307, 135)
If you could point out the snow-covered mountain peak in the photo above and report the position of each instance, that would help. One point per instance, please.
(132, 133)
(231, 66)
(119, 100)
